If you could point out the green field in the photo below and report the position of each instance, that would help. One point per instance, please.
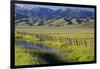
(53, 45)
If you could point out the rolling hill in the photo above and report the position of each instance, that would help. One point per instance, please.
(43, 16)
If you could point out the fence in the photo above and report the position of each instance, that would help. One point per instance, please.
(65, 40)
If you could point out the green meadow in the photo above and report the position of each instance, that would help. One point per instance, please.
(54, 45)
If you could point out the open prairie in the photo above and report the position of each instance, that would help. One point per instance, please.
(40, 45)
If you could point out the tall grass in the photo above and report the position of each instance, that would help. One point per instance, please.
(25, 56)
(72, 49)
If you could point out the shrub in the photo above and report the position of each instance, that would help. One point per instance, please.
(29, 38)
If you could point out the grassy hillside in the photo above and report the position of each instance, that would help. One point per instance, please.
(57, 22)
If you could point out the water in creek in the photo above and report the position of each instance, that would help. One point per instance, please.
(38, 46)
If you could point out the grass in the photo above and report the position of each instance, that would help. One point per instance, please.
(78, 26)
(78, 54)
(71, 53)
(27, 57)
(23, 58)
(34, 57)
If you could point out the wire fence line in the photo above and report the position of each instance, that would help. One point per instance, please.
(66, 40)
